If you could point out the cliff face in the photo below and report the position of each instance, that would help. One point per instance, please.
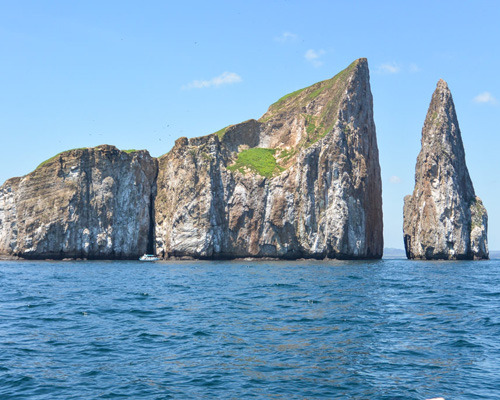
(302, 181)
(443, 219)
(84, 203)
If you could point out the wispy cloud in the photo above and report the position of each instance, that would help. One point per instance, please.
(414, 68)
(226, 78)
(485, 97)
(313, 56)
(391, 68)
(395, 179)
(388, 68)
(286, 37)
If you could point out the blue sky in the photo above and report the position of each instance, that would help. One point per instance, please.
(141, 74)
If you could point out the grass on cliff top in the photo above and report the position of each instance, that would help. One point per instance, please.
(286, 97)
(313, 91)
(57, 155)
(259, 160)
(316, 126)
(221, 132)
(78, 148)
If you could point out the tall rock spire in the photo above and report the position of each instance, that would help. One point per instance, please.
(443, 219)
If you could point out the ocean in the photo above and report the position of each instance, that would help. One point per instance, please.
(387, 329)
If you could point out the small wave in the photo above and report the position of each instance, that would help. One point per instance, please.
(101, 348)
(38, 305)
(178, 286)
(53, 319)
(149, 336)
(33, 299)
(284, 285)
(490, 294)
(91, 373)
(141, 295)
(463, 343)
(201, 333)
(298, 320)
(490, 322)
(27, 350)
(14, 381)
(140, 313)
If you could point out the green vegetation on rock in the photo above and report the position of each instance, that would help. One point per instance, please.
(221, 132)
(259, 160)
(330, 91)
(286, 97)
(477, 211)
(305, 95)
(316, 93)
(315, 131)
(57, 155)
(286, 155)
(206, 157)
(78, 148)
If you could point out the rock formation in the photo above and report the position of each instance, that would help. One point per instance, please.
(443, 219)
(83, 203)
(302, 181)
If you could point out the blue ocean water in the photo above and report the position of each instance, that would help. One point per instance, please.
(388, 329)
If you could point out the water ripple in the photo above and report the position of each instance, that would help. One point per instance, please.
(390, 329)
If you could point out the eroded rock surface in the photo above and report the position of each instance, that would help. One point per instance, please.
(302, 181)
(443, 219)
(84, 203)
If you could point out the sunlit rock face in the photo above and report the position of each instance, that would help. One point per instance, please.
(302, 181)
(443, 218)
(83, 203)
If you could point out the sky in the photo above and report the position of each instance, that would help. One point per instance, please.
(139, 75)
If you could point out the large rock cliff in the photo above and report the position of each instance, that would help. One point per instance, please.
(302, 181)
(83, 203)
(443, 219)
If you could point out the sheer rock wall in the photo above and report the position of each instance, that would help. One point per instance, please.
(323, 200)
(84, 203)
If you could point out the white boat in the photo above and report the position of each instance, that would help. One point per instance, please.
(149, 257)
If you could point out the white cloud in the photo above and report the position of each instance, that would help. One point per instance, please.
(395, 179)
(485, 97)
(313, 56)
(286, 37)
(414, 68)
(226, 78)
(388, 68)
